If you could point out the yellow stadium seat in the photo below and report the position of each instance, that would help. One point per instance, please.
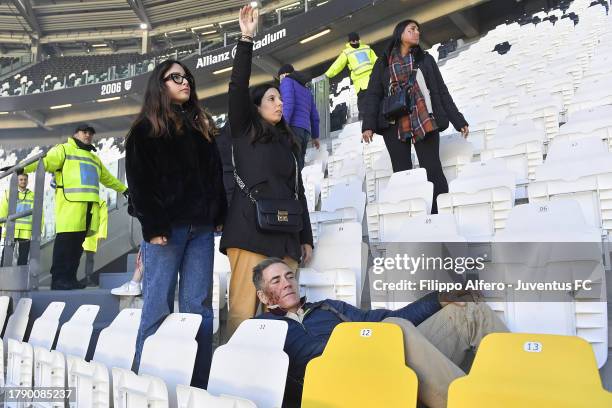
(531, 370)
(362, 365)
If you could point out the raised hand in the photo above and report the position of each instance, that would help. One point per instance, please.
(248, 18)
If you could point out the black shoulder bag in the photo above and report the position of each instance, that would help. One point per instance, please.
(275, 215)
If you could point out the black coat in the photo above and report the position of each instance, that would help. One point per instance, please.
(267, 168)
(444, 108)
(173, 180)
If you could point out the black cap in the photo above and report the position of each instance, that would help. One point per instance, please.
(285, 69)
(353, 36)
(85, 128)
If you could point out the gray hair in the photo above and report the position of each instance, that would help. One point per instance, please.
(259, 268)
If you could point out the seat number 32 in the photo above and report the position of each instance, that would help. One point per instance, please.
(109, 89)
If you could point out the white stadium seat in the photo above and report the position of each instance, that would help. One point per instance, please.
(115, 348)
(407, 194)
(582, 314)
(519, 144)
(455, 152)
(222, 268)
(580, 170)
(45, 327)
(18, 321)
(4, 305)
(480, 199)
(337, 269)
(237, 366)
(312, 176)
(378, 177)
(192, 397)
(345, 202)
(595, 122)
(73, 339)
(131, 390)
(320, 156)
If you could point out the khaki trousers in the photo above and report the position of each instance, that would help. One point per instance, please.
(243, 301)
(436, 348)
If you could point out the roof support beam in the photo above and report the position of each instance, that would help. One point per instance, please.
(141, 12)
(35, 117)
(466, 22)
(25, 9)
(267, 64)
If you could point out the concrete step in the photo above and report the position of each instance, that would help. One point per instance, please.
(109, 308)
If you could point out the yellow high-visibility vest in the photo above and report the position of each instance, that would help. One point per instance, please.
(360, 62)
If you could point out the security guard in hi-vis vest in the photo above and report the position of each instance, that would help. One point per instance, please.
(23, 226)
(360, 59)
(78, 174)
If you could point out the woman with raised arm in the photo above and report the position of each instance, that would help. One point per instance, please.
(268, 215)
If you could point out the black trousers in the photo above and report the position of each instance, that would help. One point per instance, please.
(360, 100)
(428, 152)
(23, 246)
(24, 251)
(67, 251)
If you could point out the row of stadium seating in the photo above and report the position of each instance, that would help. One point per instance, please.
(362, 365)
(70, 71)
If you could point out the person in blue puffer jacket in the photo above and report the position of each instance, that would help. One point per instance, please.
(299, 109)
(440, 329)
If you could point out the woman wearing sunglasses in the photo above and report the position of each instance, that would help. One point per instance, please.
(268, 215)
(174, 171)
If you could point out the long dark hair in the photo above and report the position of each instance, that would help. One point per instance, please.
(263, 131)
(157, 106)
(396, 38)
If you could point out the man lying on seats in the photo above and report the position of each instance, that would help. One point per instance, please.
(437, 335)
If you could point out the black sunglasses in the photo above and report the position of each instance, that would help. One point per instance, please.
(178, 79)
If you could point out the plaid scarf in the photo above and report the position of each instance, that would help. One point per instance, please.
(418, 122)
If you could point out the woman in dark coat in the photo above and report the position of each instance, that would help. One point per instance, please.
(176, 192)
(402, 65)
(265, 153)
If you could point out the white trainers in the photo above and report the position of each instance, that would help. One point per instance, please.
(128, 289)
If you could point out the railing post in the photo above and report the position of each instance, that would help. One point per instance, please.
(320, 89)
(35, 240)
(121, 200)
(9, 237)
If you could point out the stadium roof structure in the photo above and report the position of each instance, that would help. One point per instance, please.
(33, 119)
(76, 26)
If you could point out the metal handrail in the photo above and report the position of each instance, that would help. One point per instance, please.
(15, 278)
(16, 216)
(22, 165)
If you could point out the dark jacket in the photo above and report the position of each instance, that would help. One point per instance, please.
(299, 108)
(267, 168)
(174, 180)
(444, 108)
(224, 143)
(308, 340)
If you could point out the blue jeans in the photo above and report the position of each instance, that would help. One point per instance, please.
(188, 253)
(303, 137)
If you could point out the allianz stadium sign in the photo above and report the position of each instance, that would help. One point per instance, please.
(275, 38)
(224, 56)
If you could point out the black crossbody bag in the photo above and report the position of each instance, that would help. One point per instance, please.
(275, 215)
